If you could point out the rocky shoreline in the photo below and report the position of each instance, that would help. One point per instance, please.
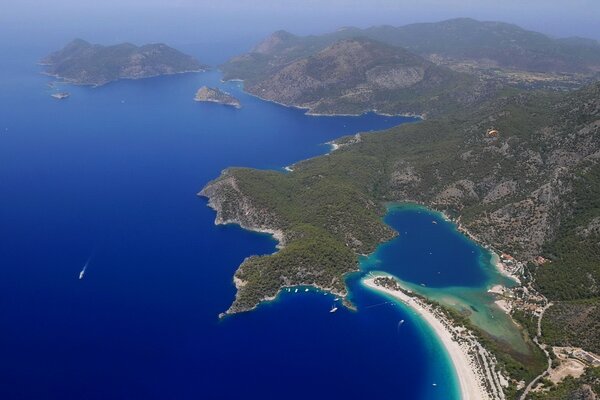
(252, 218)
(214, 95)
(61, 80)
(307, 110)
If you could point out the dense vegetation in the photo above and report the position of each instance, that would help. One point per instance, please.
(574, 272)
(84, 63)
(529, 189)
(572, 279)
(502, 44)
(511, 190)
(447, 163)
(297, 264)
(519, 366)
(506, 44)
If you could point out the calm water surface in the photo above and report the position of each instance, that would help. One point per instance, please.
(430, 256)
(110, 175)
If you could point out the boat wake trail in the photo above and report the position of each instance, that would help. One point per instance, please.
(82, 272)
(377, 305)
(400, 324)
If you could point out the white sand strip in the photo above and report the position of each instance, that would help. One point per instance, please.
(470, 382)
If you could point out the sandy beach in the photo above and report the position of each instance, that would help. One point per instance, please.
(470, 377)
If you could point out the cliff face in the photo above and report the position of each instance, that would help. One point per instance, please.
(234, 206)
(83, 63)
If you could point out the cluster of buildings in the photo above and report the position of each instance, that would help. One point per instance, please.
(510, 266)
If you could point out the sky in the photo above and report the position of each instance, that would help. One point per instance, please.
(246, 21)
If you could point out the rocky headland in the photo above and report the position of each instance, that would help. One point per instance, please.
(214, 95)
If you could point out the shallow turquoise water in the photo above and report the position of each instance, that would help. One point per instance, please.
(433, 258)
(112, 174)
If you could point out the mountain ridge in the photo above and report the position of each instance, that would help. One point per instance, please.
(83, 63)
(509, 172)
(495, 55)
(357, 75)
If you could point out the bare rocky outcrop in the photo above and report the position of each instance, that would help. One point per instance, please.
(389, 77)
(500, 191)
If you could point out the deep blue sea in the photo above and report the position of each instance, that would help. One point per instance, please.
(110, 175)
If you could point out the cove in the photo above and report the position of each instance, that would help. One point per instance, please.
(433, 258)
(112, 173)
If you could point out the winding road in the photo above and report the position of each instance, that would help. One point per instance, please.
(543, 347)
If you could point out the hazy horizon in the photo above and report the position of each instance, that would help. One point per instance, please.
(374, 213)
(188, 21)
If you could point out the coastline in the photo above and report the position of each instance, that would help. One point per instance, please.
(496, 260)
(279, 236)
(234, 105)
(61, 80)
(307, 110)
(468, 357)
(240, 283)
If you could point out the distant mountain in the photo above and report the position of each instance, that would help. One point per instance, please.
(350, 76)
(84, 63)
(462, 39)
(297, 71)
(498, 43)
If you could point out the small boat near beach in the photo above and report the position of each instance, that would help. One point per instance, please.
(333, 309)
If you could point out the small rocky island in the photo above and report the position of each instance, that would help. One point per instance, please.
(214, 95)
(83, 63)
